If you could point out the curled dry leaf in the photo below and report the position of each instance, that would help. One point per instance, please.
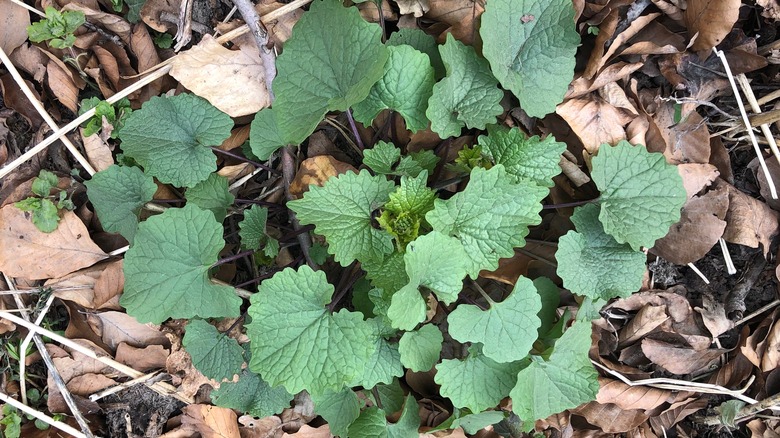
(119, 327)
(712, 20)
(697, 176)
(611, 418)
(98, 152)
(594, 121)
(27, 252)
(631, 397)
(211, 421)
(749, 221)
(415, 7)
(713, 314)
(645, 321)
(232, 80)
(686, 141)
(142, 359)
(96, 287)
(317, 170)
(676, 413)
(62, 85)
(701, 225)
(113, 23)
(307, 431)
(13, 25)
(679, 360)
(268, 427)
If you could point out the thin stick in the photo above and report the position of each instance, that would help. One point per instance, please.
(55, 375)
(41, 416)
(260, 34)
(746, 121)
(288, 172)
(28, 7)
(119, 251)
(751, 98)
(730, 268)
(79, 120)
(161, 387)
(25, 343)
(42, 111)
(122, 386)
(355, 132)
(483, 293)
(699, 273)
(763, 309)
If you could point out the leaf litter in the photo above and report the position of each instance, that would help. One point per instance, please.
(671, 345)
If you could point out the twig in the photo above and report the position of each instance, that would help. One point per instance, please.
(183, 25)
(682, 385)
(747, 411)
(162, 388)
(26, 342)
(763, 309)
(288, 172)
(751, 98)
(260, 34)
(730, 268)
(64, 392)
(116, 388)
(746, 121)
(45, 115)
(735, 301)
(244, 159)
(41, 416)
(699, 273)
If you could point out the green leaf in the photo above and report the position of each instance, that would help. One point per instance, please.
(404, 214)
(215, 355)
(134, 10)
(533, 55)
(421, 348)
(323, 68)
(426, 267)
(211, 194)
(57, 27)
(341, 211)
(386, 159)
(476, 382)
(170, 137)
(388, 274)
(473, 423)
(339, 409)
(406, 86)
(529, 159)
(382, 157)
(384, 363)
(252, 231)
(44, 213)
(297, 343)
(592, 264)
(373, 424)
(118, 193)
(467, 96)
(252, 395)
(550, 298)
(490, 217)
(641, 194)
(166, 269)
(391, 396)
(507, 330)
(564, 381)
(421, 41)
(44, 182)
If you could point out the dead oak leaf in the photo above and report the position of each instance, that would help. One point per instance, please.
(13, 25)
(27, 252)
(415, 7)
(594, 121)
(749, 221)
(712, 20)
(232, 80)
(212, 421)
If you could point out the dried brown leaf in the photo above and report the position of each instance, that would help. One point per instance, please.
(697, 176)
(713, 314)
(15, 99)
(712, 20)
(415, 7)
(317, 170)
(13, 25)
(611, 418)
(62, 85)
(307, 431)
(96, 287)
(119, 327)
(87, 384)
(701, 225)
(268, 427)
(677, 412)
(631, 397)
(594, 121)
(679, 360)
(98, 152)
(749, 221)
(456, 17)
(30, 253)
(142, 359)
(232, 80)
(211, 421)
(645, 321)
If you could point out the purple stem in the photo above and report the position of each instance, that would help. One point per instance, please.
(569, 204)
(233, 257)
(354, 129)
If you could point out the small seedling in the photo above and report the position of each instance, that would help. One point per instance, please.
(57, 28)
(45, 213)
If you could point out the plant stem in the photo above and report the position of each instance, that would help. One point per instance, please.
(483, 293)
(263, 203)
(288, 173)
(345, 284)
(353, 126)
(296, 233)
(244, 159)
(570, 204)
(256, 27)
(269, 274)
(233, 257)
